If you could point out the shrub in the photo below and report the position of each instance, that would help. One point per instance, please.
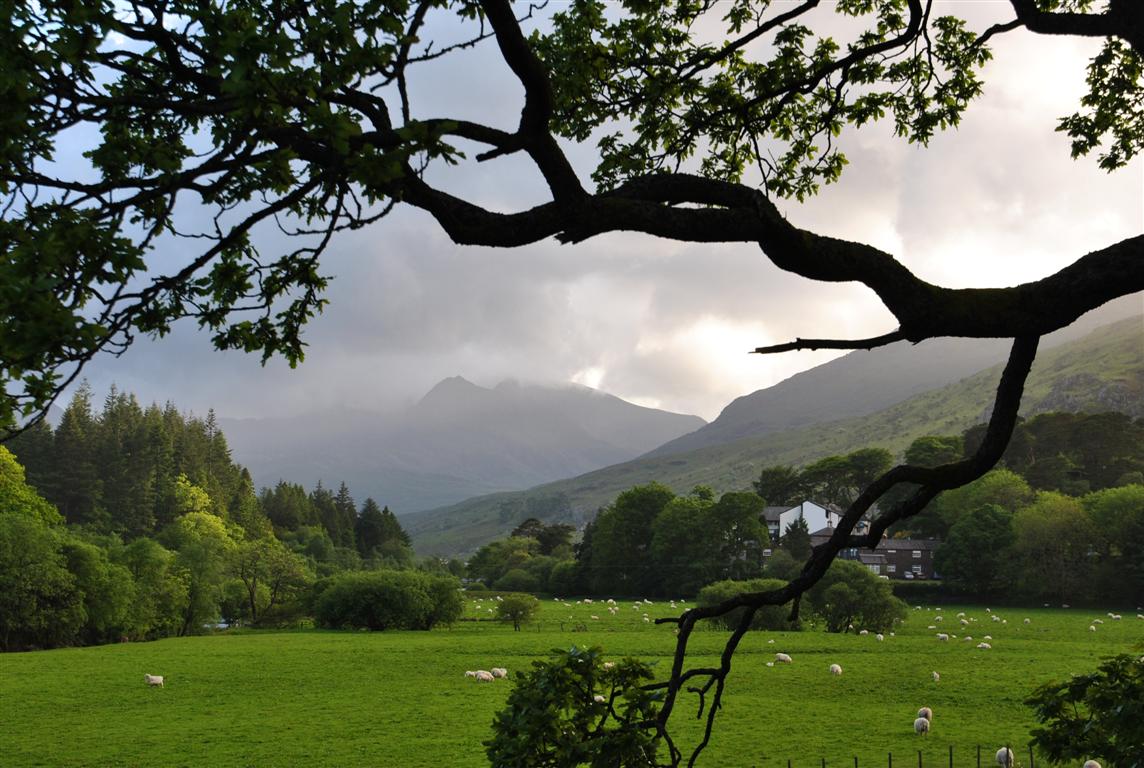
(564, 578)
(774, 617)
(517, 580)
(1094, 716)
(575, 711)
(518, 608)
(850, 595)
(380, 600)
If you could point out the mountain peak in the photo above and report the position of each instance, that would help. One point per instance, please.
(451, 388)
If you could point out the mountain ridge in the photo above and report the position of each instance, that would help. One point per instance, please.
(1102, 370)
(458, 441)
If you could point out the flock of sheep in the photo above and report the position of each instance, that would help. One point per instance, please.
(487, 675)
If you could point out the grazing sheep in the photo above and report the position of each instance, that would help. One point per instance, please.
(499, 672)
(484, 676)
(1091, 627)
(595, 618)
(599, 699)
(921, 726)
(470, 673)
(984, 646)
(864, 632)
(1005, 757)
(879, 637)
(964, 623)
(609, 664)
(1027, 621)
(770, 663)
(938, 618)
(153, 680)
(1098, 621)
(1091, 764)
(1116, 617)
(936, 676)
(835, 669)
(783, 658)
(926, 712)
(942, 636)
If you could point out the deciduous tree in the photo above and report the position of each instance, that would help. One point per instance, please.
(300, 114)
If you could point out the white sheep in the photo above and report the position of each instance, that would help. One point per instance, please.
(879, 637)
(864, 632)
(942, 636)
(1028, 621)
(499, 672)
(984, 646)
(1091, 627)
(921, 726)
(835, 669)
(1091, 764)
(1098, 621)
(153, 680)
(988, 638)
(770, 663)
(470, 673)
(599, 699)
(1005, 757)
(936, 676)
(926, 712)
(782, 657)
(484, 676)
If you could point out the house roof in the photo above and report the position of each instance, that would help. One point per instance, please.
(772, 514)
(895, 544)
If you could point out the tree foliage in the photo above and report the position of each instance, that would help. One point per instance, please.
(517, 609)
(300, 116)
(1094, 716)
(577, 709)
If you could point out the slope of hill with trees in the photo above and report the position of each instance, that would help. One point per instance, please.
(1103, 370)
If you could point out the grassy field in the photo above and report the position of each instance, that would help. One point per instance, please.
(313, 698)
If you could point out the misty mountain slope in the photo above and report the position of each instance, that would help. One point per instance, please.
(460, 440)
(889, 375)
(1101, 371)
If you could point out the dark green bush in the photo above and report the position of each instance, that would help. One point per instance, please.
(849, 595)
(772, 617)
(517, 580)
(380, 600)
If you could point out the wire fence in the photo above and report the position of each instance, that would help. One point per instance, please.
(976, 757)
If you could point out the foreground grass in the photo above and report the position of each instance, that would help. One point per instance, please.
(401, 699)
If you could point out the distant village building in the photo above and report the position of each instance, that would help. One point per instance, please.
(894, 558)
(778, 519)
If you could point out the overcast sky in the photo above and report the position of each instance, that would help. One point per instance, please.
(660, 323)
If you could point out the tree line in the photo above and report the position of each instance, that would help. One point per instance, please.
(133, 523)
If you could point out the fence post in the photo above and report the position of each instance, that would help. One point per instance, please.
(855, 761)
(978, 756)
(890, 760)
(1031, 763)
(950, 756)
(919, 758)
(824, 762)
(788, 763)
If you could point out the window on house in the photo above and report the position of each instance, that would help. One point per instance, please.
(891, 551)
(916, 569)
(891, 569)
(917, 553)
(875, 568)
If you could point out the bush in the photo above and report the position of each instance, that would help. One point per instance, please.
(575, 711)
(519, 609)
(774, 617)
(1094, 716)
(850, 595)
(380, 600)
(517, 580)
(564, 578)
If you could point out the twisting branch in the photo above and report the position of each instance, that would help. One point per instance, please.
(804, 344)
(931, 480)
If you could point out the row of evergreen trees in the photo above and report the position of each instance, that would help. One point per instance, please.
(135, 523)
(115, 471)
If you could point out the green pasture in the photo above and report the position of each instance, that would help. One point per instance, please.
(314, 698)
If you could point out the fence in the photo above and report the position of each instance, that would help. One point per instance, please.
(975, 758)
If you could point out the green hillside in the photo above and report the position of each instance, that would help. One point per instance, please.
(1100, 372)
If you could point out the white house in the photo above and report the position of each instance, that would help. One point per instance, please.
(816, 516)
